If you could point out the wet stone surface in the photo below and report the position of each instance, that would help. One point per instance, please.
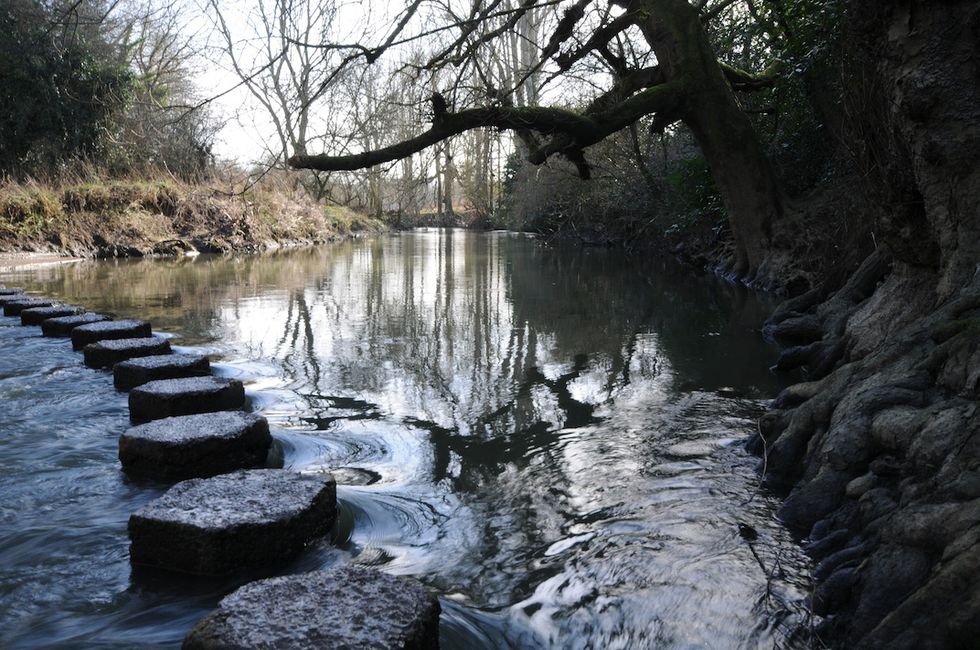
(135, 372)
(352, 607)
(15, 307)
(12, 297)
(106, 354)
(108, 330)
(195, 445)
(169, 397)
(10, 291)
(63, 326)
(219, 525)
(37, 315)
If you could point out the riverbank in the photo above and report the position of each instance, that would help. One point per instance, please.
(136, 218)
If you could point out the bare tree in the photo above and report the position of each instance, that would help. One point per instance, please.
(283, 76)
(673, 75)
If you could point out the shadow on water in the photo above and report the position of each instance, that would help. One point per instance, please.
(547, 437)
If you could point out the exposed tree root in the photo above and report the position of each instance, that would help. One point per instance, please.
(881, 456)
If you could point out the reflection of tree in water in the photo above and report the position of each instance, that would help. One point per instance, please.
(492, 343)
(495, 343)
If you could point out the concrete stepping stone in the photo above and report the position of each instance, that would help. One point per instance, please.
(108, 330)
(11, 291)
(165, 398)
(11, 297)
(219, 525)
(62, 326)
(37, 315)
(192, 446)
(106, 354)
(353, 607)
(127, 375)
(15, 307)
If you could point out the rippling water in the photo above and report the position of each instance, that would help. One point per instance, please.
(548, 438)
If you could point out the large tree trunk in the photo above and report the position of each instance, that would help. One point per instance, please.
(730, 145)
(882, 449)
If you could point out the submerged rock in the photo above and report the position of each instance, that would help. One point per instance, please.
(15, 307)
(108, 330)
(168, 397)
(195, 445)
(37, 315)
(135, 372)
(219, 525)
(106, 354)
(352, 607)
(63, 326)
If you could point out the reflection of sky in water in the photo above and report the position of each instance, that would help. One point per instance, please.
(547, 437)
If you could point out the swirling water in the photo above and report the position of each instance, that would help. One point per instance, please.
(548, 438)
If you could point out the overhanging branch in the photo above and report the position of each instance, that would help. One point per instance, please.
(569, 132)
(744, 80)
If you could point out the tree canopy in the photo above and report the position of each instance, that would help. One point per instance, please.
(658, 62)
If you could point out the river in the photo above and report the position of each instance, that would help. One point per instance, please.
(549, 438)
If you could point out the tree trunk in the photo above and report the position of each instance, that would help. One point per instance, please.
(877, 447)
(727, 139)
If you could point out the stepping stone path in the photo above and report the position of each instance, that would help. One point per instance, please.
(169, 397)
(14, 307)
(108, 330)
(62, 327)
(231, 522)
(106, 354)
(37, 315)
(353, 607)
(195, 445)
(127, 375)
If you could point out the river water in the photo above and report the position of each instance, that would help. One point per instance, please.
(548, 438)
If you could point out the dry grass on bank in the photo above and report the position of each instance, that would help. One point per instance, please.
(91, 215)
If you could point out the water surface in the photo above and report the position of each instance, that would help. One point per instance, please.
(548, 438)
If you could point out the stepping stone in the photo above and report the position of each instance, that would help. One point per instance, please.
(14, 307)
(11, 291)
(169, 397)
(106, 354)
(107, 331)
(353, 607)
(62, 327)
(194, 446)
(11, 297)
(220, 525)
(135, 372)
(37, 315)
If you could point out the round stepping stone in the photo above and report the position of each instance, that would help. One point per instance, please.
(219, 525)
(353, 607)
(169, 397)
(62, 326)
(11, 297)
(135, 372)
(108, 330)
(14, 307)
(106, 354)
(37, 315)
(193, 446)
(10, 291)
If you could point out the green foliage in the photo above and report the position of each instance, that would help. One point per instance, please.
(70, 91)
(59, 89)
(696, 198)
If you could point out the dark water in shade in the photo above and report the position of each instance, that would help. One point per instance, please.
(548, 438)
